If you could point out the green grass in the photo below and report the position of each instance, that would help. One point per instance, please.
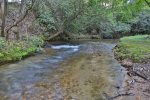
(16, 50)
(136, 48)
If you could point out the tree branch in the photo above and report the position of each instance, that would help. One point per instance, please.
(21, 19)
(76, 13)
(55, 35)
(148, 3)
(48, 4)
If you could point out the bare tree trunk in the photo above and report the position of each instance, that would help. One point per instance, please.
(22, 6)
(20, 27)
(4, 14)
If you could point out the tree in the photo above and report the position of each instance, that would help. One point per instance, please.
(103, 17)
(22, 6)
(20, 19)
(141, 24)
(59, 14)
(3, 16)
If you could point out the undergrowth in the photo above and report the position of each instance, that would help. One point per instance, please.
(16, 50)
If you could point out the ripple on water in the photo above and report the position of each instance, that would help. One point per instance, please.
(74, 72)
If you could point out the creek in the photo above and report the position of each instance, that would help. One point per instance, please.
(82, 70)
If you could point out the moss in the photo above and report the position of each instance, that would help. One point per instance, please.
(136, 48)
(16, 50)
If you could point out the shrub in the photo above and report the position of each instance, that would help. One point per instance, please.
(16, 50)
(141, 24)
(2, 43)
(36, 40)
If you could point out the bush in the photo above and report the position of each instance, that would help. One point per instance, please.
(16, 50)
(36, 40)
(141, 24)
(2, 43)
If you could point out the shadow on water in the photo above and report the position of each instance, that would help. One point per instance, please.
(75, 71)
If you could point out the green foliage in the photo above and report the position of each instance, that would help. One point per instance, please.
(16, 50)
(2, 42)
(141, 24)
(136, 48)
(56, 15)
(122, 27)
(36, 40)
(109, 29)
(93, 18)
(126, 10)
(109, 17)
(46, 20)
(91, 14)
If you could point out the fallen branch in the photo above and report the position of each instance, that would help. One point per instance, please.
(139, 75)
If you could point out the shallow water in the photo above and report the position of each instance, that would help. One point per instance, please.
(76, 71)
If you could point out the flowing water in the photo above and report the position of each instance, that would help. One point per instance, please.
(65, 71)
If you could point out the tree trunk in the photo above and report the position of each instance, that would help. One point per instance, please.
(55, 35)
(18, 36)
(4, 13)
(22, 6)
(20, 27)
(21, 18)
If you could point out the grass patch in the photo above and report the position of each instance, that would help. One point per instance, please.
(16, 50)
(136, 48)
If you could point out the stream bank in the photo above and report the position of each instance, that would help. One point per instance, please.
(133, 53)
(16, 50)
